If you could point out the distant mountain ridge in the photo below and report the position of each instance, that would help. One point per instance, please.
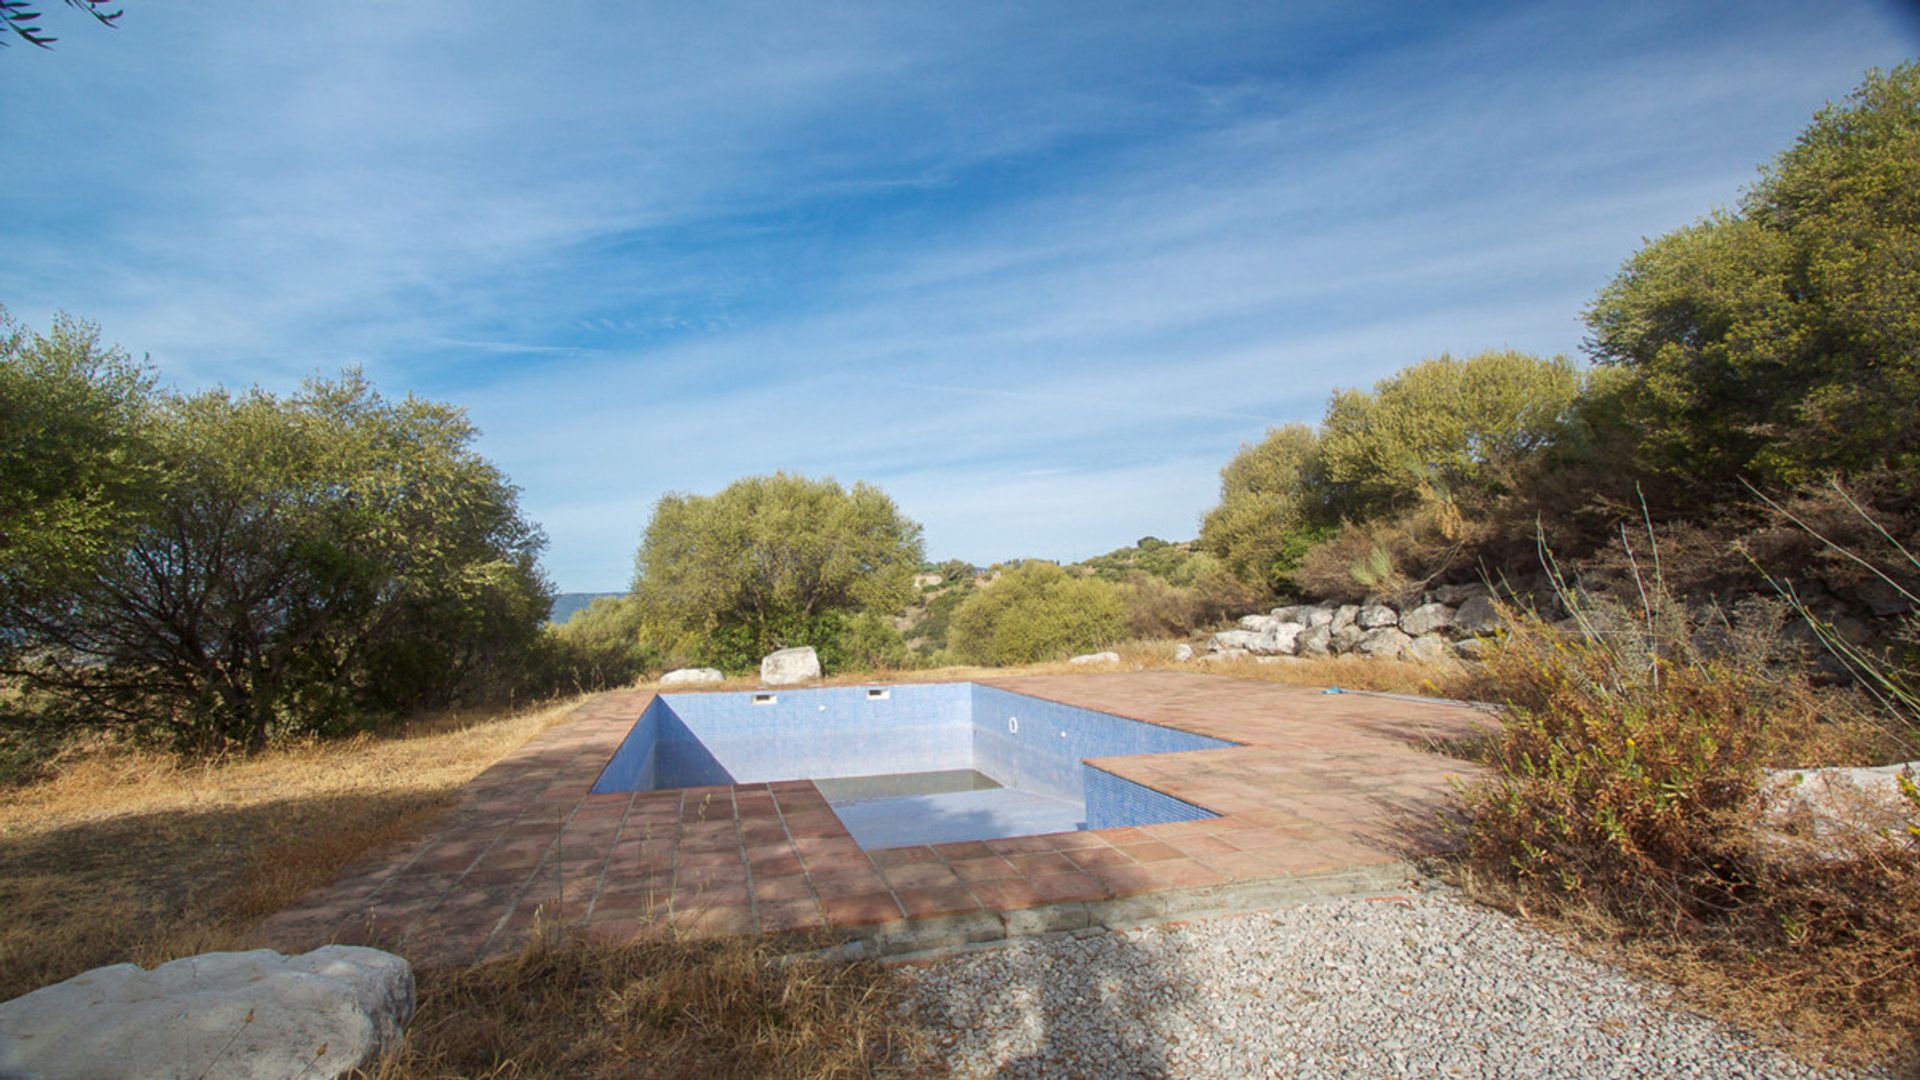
(567, 603)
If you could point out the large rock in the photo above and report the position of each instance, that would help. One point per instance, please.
(1297, 613)
(1315, 641)
(1259, 624)
(1228, 654)
(1375, 616)
(1427, 619)
(790, 666)
(1319, 615)
(1096, 658)
(1182, 653)
(1346, 639)
(1383, 643)
(691, 676)
(1828, 813)
(1474, 648)
(1429, 648)
(1476, 615)
(1278, 640)
(1232, 639)
(1344, 615)
(237, 1014)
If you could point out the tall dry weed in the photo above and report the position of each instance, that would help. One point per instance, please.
(1627, 796)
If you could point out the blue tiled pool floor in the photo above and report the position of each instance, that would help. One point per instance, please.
(957, 816)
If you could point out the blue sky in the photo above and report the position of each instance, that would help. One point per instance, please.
(1035, 269)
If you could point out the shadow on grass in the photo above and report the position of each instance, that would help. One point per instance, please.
(152, 886)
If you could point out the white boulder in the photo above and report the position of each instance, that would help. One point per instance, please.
(1375, 616)
(251, 1014)
(1828, 812)
(1315, 641)
(1232, 639)
(1096, 658)
(1346, 639)
(1257, 623)
(1427, 619)
(1278, 640)
(1344, 615)
(1182, 653)
(1321, 615)
(1383, 643)
(691, 676)
(790, 666)
(1430, 648)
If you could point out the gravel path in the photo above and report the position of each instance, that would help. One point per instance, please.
(1429, 986)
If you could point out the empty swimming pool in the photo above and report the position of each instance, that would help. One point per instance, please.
(907, 765)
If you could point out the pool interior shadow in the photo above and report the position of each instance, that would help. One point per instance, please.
(916, 764)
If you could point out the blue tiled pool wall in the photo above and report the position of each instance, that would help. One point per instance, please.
(1038, 745)
(1113, 801)
(690, 740)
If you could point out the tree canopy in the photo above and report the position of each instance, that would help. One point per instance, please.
(1781, 340)
(1036, 611)
(1272, 505)
(252, 565)
(1446, 426)
(769, 562)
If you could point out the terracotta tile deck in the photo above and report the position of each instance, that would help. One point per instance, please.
(1321, 782)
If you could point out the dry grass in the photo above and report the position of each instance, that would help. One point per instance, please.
(571, 1006)
(1347, 672)
(1623, 806)
(126, 854)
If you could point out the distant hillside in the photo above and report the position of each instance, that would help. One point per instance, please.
(566, 603)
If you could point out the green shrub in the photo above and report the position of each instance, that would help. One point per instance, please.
(770, 562)
(1455, 429)
(247, 566)
(601, 646)
(1034, 612)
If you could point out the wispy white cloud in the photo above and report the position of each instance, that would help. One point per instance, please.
(1037, 276)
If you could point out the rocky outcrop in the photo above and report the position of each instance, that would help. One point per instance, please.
(691, 676)
(790, 666)
(326, 1013)
(1449, 623)
(1096, 658)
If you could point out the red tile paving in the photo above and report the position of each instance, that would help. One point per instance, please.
(1319, 782)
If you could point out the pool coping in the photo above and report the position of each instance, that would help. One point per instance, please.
(1320, 792)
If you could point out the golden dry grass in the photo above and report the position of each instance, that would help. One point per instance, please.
(740, 1007)
(125, 854)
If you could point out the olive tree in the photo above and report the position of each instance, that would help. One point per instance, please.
(1781, 340)
(773, 561)
(289, 565)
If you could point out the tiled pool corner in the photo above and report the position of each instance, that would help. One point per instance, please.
(1032, 750)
